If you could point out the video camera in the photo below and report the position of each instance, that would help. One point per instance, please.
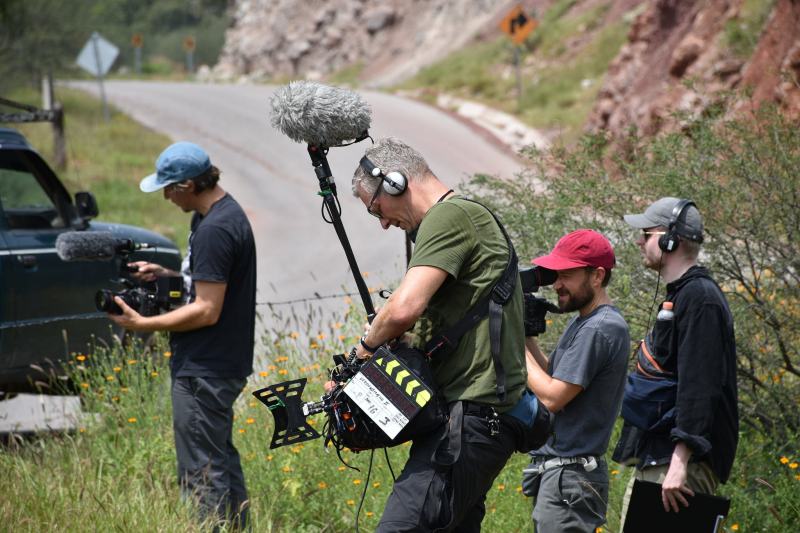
(536, 308)
(147, 299)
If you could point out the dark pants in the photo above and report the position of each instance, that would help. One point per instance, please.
(209, 470)
(447, 492)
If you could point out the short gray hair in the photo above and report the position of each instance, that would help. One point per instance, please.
(390, 155)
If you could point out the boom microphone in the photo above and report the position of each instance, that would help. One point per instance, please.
(319, 115)
(93, 246)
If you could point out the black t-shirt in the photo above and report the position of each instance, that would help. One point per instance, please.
(221, 250)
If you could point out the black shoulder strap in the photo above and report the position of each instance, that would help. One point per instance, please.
(490, 305)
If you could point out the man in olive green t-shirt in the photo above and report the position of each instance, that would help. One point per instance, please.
(460, 253)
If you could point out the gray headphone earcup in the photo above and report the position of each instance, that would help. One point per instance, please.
(394, 183)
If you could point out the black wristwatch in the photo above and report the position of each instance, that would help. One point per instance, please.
(367, 347)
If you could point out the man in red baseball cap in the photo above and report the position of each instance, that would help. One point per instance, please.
(582, 382)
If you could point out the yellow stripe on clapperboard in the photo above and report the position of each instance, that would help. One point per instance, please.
(422, 397)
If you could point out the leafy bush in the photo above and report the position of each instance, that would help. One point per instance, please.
(742, 173)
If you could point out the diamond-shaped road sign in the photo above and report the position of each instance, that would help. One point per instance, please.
(97, 55)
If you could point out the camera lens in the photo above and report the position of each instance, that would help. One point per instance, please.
(104, 301)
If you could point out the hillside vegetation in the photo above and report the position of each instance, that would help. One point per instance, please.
(40, 36)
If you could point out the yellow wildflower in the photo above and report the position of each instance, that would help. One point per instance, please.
(322, 485)
(376, 484)
(287, 469)
(614, 472)
(351, 502)
(242, 430)
(109, 378)
(154, 374)
(519, 488)
(85, 385)
(167, 354)
(784, 460)
(272, 368)
(501, 487)
(735, 527)
(80, 357)
(792, 465)
(123, 389)
(269, 458)
(132, 420)
(252, 403)
(250, 421)
(132, 361)
(313, 345)
(283, 371)
(82, 430)
(342, 337)
(117, 369)
(341, 469)
(294, 334)
(356, 482)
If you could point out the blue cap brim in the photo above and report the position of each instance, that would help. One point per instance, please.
(150, 184)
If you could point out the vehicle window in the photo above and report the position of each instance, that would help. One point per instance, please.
(25, 203)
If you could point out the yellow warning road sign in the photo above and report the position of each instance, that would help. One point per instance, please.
(518, 25)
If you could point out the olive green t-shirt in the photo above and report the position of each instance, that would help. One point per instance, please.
(463, 239)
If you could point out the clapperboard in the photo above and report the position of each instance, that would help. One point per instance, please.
(389, 392)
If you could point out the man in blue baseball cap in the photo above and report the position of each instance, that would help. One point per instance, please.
(212, 335)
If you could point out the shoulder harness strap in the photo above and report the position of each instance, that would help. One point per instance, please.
(490, 305)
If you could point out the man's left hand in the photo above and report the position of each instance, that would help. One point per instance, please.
(674, 487)
(129, 319)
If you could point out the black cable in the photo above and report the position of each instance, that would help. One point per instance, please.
(325, 209)
(655, 295)
(389, 464)
(366, 486)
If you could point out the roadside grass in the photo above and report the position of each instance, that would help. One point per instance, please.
(564, 61)
(108, 159)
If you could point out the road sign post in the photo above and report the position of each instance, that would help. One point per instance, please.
(189, 46)
(137, 41)
(518, 26)
(96, 58)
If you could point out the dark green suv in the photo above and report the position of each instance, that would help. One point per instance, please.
(47, 306)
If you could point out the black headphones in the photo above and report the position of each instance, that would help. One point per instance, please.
(669, 241)
(394, 183)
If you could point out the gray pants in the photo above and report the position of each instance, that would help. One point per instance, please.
(209, 470)
(570, 499)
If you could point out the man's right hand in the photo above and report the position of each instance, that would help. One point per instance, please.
(149, 271)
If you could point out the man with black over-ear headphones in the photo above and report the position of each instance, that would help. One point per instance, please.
(461, 255)
(680, 410)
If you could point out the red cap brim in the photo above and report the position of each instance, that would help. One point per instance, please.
(555, 262)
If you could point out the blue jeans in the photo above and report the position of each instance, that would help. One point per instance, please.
(209, 470)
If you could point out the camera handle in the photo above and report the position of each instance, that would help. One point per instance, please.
(330, 204)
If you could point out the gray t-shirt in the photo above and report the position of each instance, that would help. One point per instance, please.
(592, 353)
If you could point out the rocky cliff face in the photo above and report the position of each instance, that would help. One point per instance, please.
(677, 58)
(313, 38)
(678, 55)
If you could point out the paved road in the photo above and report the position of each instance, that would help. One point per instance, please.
(271, 176)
